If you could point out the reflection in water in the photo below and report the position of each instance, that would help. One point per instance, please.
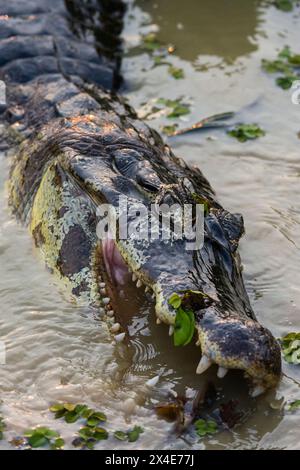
(222, 28)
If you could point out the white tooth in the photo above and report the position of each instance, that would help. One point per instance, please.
(103, 291)
(222, 371)
(101, 311)
(115, 328)
(102, 285)
(106, 300)
(153, 296)
(139, 284)
(258, 390)
(152, 382)
(147, 289)
(171, 330)
(119, 338)
(204, 364)
(134, 278)
(158, 321)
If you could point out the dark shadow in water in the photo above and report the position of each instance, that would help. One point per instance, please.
(222, 28)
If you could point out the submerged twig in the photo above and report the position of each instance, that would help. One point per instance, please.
(209, 122)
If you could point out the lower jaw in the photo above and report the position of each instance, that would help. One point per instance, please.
(118, 275)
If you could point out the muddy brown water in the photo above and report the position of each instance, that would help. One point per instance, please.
(56, 351)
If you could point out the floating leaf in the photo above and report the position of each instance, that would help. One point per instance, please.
(286, 82)
(290, 344)
(176, 72)
(244, 132)
(150, 42)
(2, 427)
(41, 436)
(294, 405)
(284, 5)
(121, 435)
(286, 63)
(135, 434)
(179, 110)
(58, 443)
(285, 53)
(169, 130)
(204, 427)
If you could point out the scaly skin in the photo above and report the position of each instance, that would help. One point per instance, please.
(83, 146)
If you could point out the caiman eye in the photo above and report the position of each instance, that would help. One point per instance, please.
(132, 165)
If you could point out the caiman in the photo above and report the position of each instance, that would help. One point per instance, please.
(78, 145)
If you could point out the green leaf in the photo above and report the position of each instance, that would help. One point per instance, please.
(286, 82)
(69, 406)
(150, 42)
(284, 5)
(135, 434)
(100, 434)
(175, 300)
(49, 434)
(285, 53)
(120, 435)
(177, 73)
(57, 407)
(276, 66)
(179, 110)
(37, 440)
(290, 345)
(184, 327)
(169, 130)
(294, 59)
(58, 443)
(294, 405)
(85, 432)
(244, 132)
(71, 417)
(204, 427)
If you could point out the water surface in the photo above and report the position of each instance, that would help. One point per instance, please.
(57, 351)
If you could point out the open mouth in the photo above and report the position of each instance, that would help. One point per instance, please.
(230, 342)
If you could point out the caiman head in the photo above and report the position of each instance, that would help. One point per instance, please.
(135, 164)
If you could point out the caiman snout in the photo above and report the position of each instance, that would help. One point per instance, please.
(234, 342)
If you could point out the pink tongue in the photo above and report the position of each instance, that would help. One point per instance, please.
(114, 263)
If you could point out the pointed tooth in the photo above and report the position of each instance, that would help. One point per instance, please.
(222, 371)
(158, 321)
(152, 382)
(106, 300)
(110, 313)
(203, 365)
(115, 328)
(134, 278)
(198, 343)
(102, 285)
(171, 330)
(147, 289)
(120, 337)
(103, 291)
(139, 283)
(153, 296)
(258, 390)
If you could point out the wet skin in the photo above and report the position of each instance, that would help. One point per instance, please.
(79, 147)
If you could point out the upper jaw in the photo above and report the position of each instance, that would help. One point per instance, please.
(231, 341)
